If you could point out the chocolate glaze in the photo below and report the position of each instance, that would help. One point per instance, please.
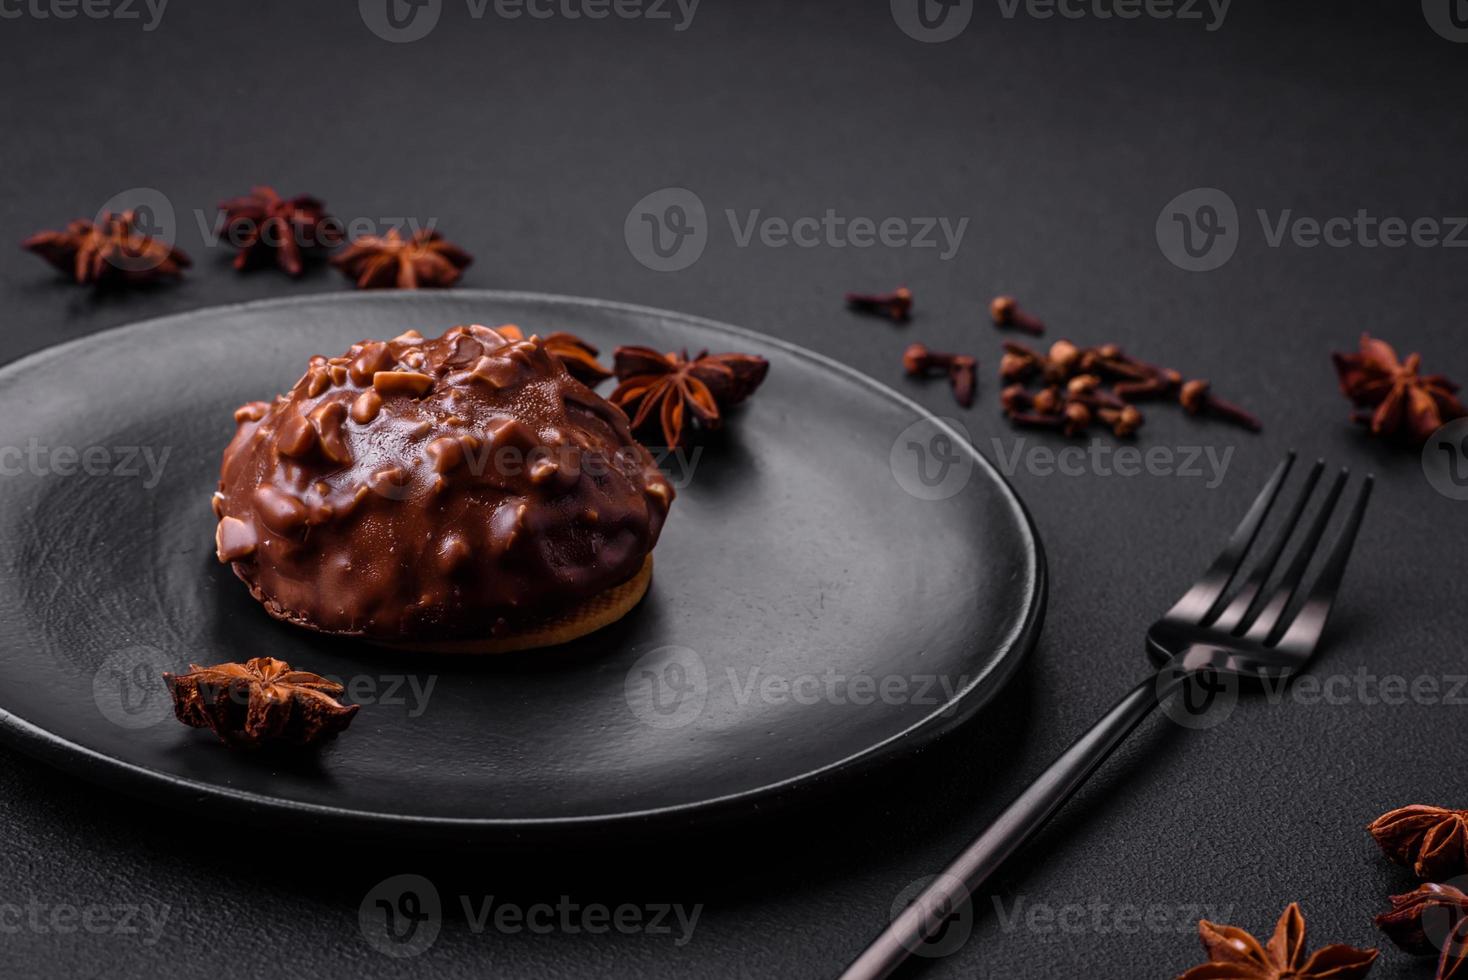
(421, 489)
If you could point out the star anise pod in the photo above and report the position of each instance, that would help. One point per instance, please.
(269, 228)
(671, 387)
(1233, 954)
(577, 355)
(1430, 840)
(110, 251)
(261, 700)
(390, 261)
(1431, 920)
(1403, 402)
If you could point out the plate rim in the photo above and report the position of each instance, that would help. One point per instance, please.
(141, 781)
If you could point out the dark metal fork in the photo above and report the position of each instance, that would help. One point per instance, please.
(1204, 639)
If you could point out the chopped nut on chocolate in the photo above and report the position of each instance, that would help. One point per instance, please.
(347, 505)
(577, 355)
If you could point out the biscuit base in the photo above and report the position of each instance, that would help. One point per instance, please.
(602, 609)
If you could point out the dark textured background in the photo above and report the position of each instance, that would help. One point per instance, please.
(1061, 141)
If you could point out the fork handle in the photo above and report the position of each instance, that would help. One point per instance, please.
(957, 882)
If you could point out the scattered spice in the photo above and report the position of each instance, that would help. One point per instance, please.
(1430, 840)
(1075, 394)
(671, 387)
(578, 356)
(1431, 920)
(1233, 954)
(1196, 399)
(1163, 384)
(961, 369)
(1403, 404)
(269, 228)
(259, 701)
(110, 251)
(426, 260)
(1006, 312)
(895, 306)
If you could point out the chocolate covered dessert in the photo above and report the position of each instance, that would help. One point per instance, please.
(461, 494)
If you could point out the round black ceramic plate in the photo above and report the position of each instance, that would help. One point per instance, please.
(842, 578)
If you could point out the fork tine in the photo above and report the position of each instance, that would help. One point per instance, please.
(1246, 600)
(1309, 623)
(1207, 593)
(1269, 616)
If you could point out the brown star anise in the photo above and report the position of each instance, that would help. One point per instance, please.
(266, 227)
(110, 251)
(261, 700)
(1430, 840)
(425, 260)
(1431, 920)
(1404, 403)
(671, 387)
(1233, 954)
(577, 355)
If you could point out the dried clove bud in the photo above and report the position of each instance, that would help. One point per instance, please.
(1088, 386)
(1196, 399)
(1048, 401)
(1077, 418)
(964, 377)
(1064, 358)
(1124, 421)
(895, 306)
(1006, 312)
(1160, 385)
(1020, 363)
(962, 369)
(1015, 398)
(1078, 375)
